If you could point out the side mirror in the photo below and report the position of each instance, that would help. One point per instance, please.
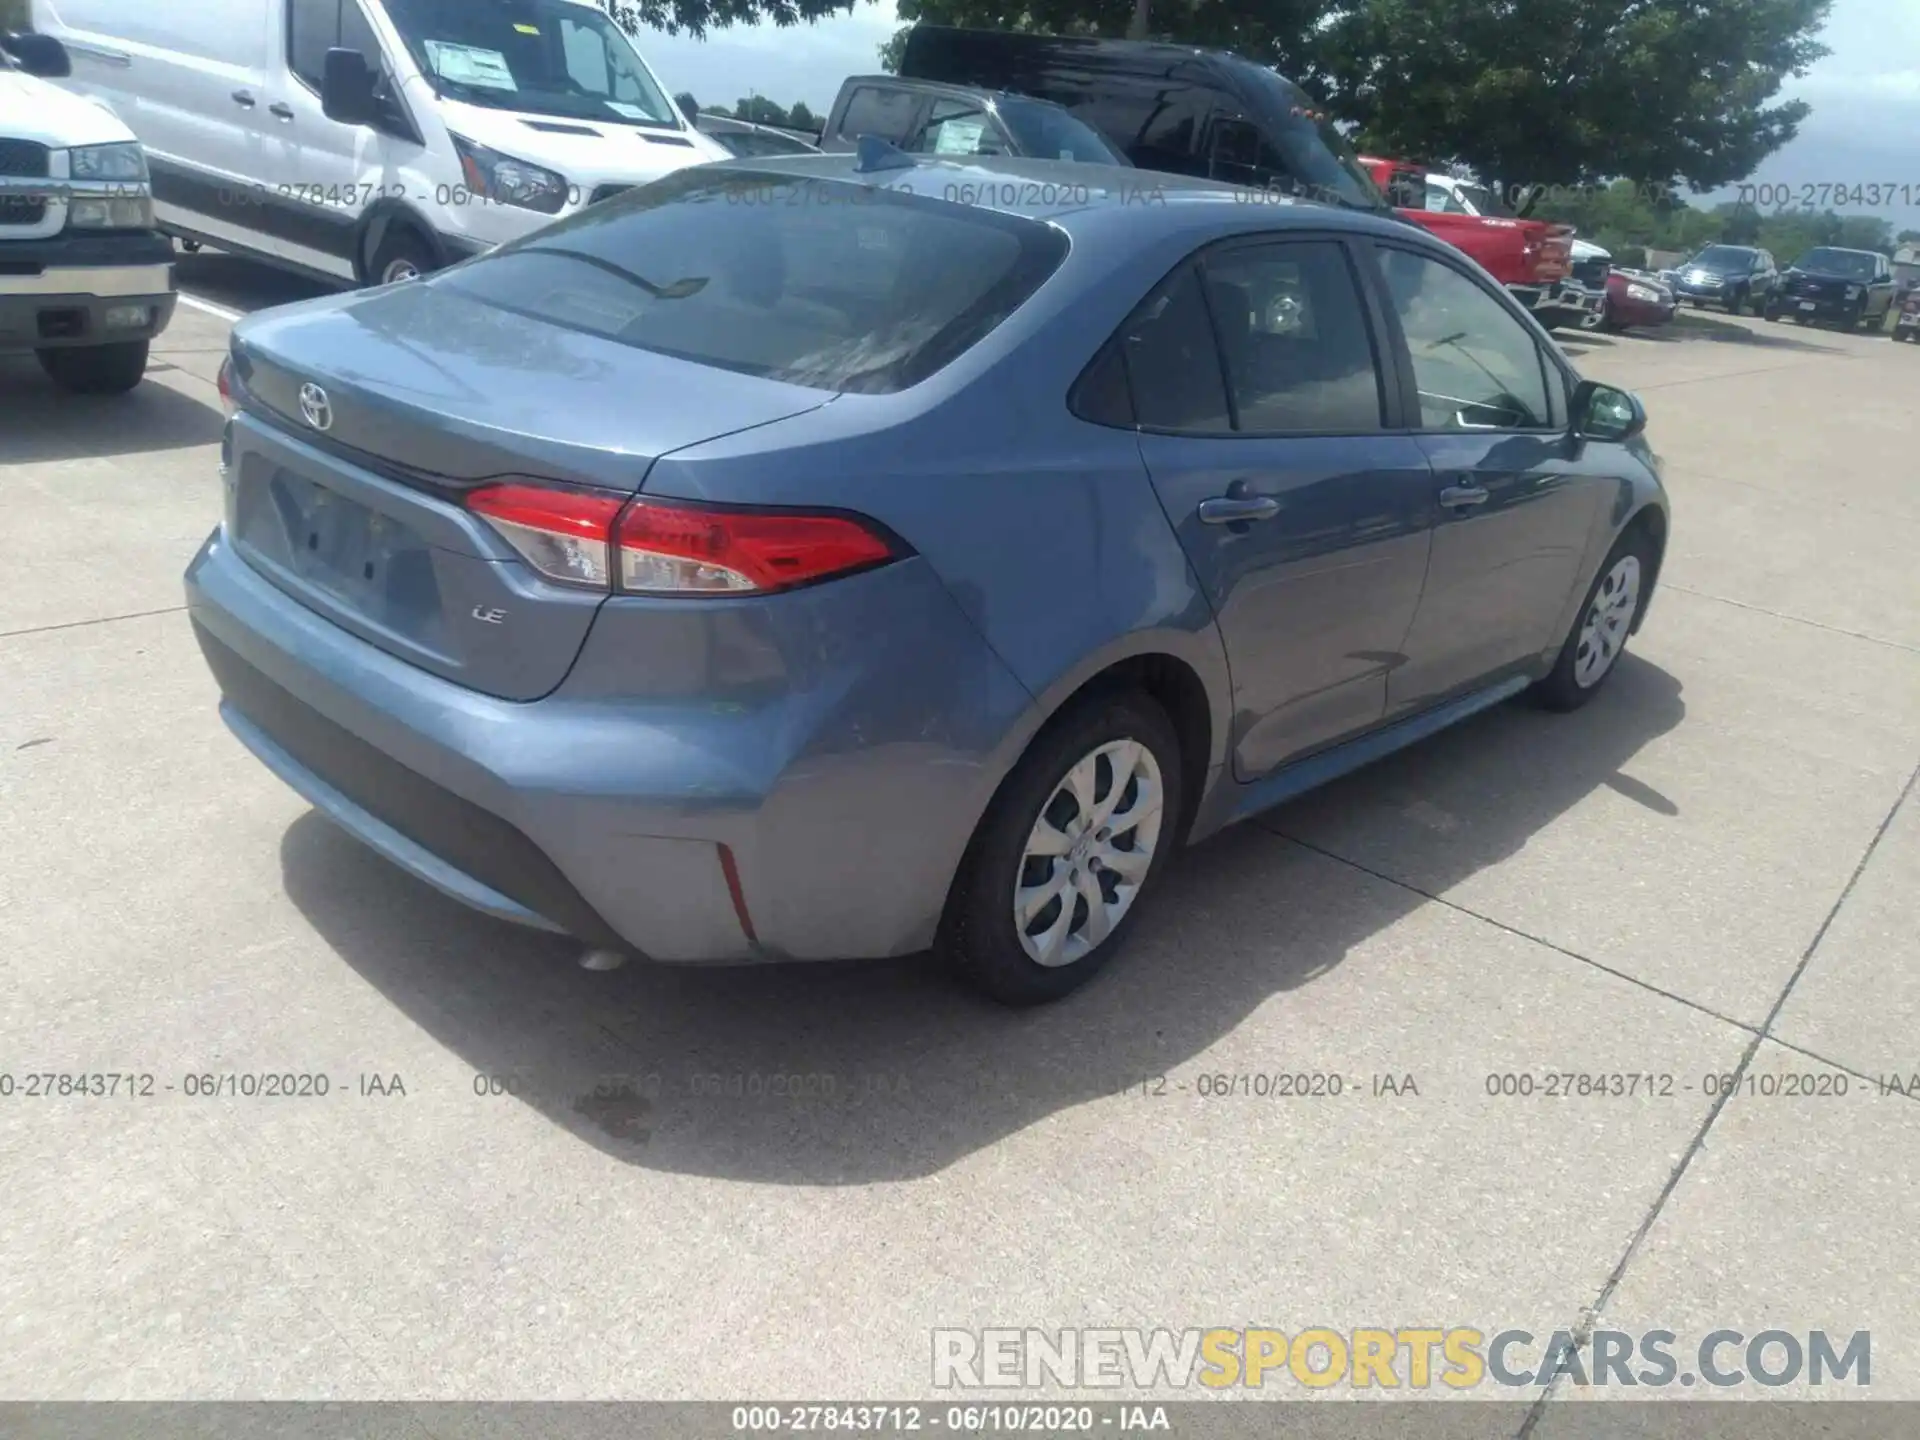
(347, 88)
(40, 55)
(1602, 412)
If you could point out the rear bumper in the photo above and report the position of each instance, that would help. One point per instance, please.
(59, 292)
(826, 822)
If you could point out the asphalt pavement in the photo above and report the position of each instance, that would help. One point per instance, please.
(1711, 875)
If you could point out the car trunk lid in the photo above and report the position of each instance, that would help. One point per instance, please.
(366, 419)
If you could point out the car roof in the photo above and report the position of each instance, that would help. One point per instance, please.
(1087, 200)
(947, 87)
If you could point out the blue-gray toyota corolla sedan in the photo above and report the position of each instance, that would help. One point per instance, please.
(844, 556)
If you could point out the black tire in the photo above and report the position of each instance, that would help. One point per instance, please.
(97, 369)
(1560, 690)
(978, 934)
(403, 255)
(1736, 302)
(1549, 322)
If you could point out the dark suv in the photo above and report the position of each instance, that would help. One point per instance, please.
(1736, 276)
(1839, 287)
(928, 117)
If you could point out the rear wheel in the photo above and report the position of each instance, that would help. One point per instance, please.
(97, 369)
(1593, 647)
(1078, 833)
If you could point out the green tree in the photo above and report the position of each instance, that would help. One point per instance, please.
(16, 15)
(1558, 92)
(696, 17)
(689, 106)
(1906, 237)
(801, 118)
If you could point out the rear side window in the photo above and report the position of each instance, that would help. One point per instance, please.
(1173, 365)
(1299, 357)
(879, 110)
(814, 282)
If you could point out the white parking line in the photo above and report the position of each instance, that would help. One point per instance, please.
(221, 311)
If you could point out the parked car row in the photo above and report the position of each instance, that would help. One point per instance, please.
(1828, 284)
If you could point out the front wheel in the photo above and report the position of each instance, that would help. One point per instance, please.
(1736, 302)
(97, 369)
(403, 255)
(1080, 830)
(1593, 647)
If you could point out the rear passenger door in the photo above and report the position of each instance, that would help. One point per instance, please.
(1516, 502)
(1262, 393)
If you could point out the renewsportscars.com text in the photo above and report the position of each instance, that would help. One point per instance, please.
(1405, 1357)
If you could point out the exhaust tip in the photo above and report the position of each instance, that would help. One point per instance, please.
(601, 959)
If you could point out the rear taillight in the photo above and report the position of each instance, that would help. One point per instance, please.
(648, 548)
(688, 550)
(225, 382)
(564, 534)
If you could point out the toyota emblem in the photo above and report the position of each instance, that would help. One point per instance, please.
(315, 408)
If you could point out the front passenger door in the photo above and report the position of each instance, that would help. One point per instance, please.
(1515, 502)
(1261, 399)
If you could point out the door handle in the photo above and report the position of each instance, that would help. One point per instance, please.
(1235, 508)
(243, 98)
(1461, 497)
(281, 109)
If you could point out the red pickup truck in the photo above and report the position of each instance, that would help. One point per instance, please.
(1532, 258)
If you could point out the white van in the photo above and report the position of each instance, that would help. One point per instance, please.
(372, 140)
(85, 280)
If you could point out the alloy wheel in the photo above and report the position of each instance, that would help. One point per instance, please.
(1603, 633)
(1088, 853)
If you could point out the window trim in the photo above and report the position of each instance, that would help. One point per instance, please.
(1545, 354)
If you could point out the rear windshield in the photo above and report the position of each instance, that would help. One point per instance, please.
(817, 282)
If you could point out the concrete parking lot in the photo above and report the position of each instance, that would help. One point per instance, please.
(1712, 871)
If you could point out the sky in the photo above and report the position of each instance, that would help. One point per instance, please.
(1865, 126)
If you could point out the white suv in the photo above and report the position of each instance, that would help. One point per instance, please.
(86, 281)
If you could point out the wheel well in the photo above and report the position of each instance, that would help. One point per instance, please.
(1653, 524)
(1177, 689)
(380, 223)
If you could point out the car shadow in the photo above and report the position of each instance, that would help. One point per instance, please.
(243, 284)
(1693, 326)
(45, 422)
(853, 1072)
